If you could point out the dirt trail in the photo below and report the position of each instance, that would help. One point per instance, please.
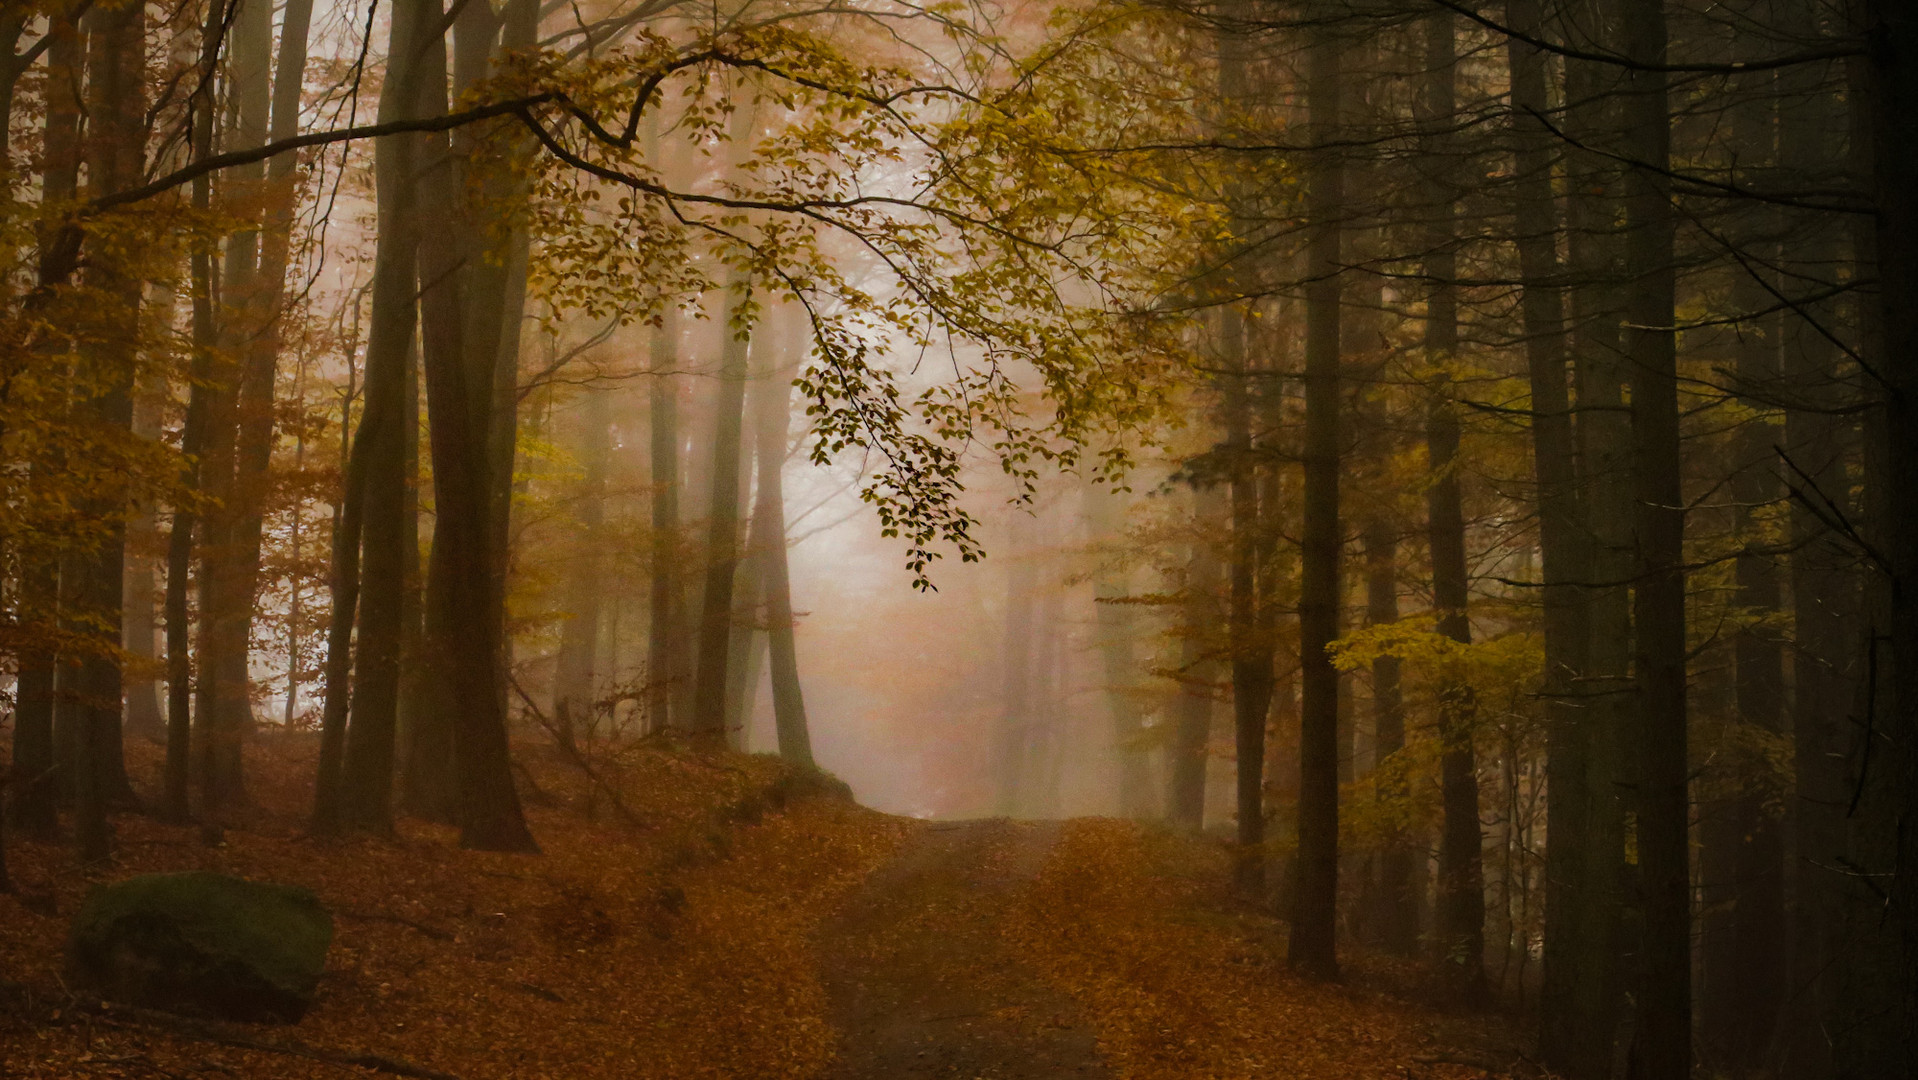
(921, 983)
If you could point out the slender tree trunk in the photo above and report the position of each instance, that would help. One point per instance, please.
(1394, 917)
(1662, 1035)
(1314, 945)
(1104, 511)
(665, 645)
(1250, 643)
(722, 537)
(1461, 877)
(772, 417)
(1192, 713)
(574, 681)
(143, 716)
(1019, 675)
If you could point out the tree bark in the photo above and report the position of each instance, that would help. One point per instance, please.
(772, 418)
(1461, 877)
(35, 758)
(574, 680)
(1314, 924)
(1190, 750)
(665, 645)
(1662, 1035)
(1582, 997)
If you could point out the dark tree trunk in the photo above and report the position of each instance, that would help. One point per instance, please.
(1820, 445)
(1741, 862)
(1314, 923)
(1461, 879)
(379, 453)
(1563, 545)
(115, 159)
(1662, 1029)
(1392, 915)
(1582, 999)
(224, 702)
(1883, 842)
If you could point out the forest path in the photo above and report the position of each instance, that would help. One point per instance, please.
(923, 985)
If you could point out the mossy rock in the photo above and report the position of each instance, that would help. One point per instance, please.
(203, 943)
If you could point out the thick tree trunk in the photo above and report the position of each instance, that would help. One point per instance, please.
(1884, 843)
(366, 771)
(1563, 544)
(224, 703)
(1314, 923)
(115, 160)
(35, 782)
(1741, 861)
(1821, 443)
(1582, 998)
(464, 639)
(1663, 1029)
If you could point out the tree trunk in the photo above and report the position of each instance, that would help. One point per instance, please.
(772, 418)
(366, 772)
(722, 536)
(1883, 843)
(1563, 545)
(1198, 664)
(1820, 446)
(464, 641)
(115, 160)
(35, 759)
(143, 715)
(1314, 924)
(1019, 670)
(1741, 862)
(1582, 998)
(1113, 630)
(1250, 643)
(1461, 877)
(665, 645)
(574, 680)
(1662, 1036)
(224, 702)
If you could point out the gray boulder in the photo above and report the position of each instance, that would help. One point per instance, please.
(203, 943)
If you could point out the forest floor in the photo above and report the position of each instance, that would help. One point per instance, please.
(695, 918)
